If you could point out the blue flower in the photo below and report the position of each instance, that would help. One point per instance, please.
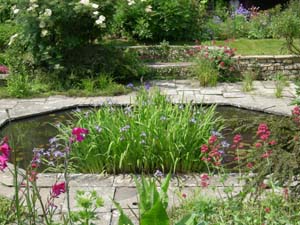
(242, 11)
(216, 133)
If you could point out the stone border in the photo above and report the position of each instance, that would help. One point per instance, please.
(179, 91)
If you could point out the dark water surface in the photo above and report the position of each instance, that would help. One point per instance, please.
(35, 132)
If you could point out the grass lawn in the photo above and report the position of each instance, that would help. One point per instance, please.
(256, 47)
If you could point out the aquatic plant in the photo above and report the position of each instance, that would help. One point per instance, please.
(148, 135)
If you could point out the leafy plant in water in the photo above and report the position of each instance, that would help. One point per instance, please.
(151, 134)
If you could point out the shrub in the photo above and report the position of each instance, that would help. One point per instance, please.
(287, 25)
(206, 72)
(53, 32)
(155, 20)
(222, 60)
(18, 85)
(152, 134)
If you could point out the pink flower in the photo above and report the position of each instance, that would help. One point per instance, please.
(296, 111)
(3, 162)
(3, 69)
(184, 195)
(250, 165)
(5, 149)
(273, 142)
(204, 176)
(267, 210)
(222, 64)
(57, 189)
(266, 154)
(80, 133)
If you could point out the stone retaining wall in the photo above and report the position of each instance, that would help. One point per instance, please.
(268, 65)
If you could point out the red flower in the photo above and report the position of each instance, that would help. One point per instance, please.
(79, 133)
(258, 145)
(222, 64)
(237, 138)
(273, 142)
(250, 165)
(212, 139)
(204, 148)
(267, 210)
(57, 189)
(184, 195)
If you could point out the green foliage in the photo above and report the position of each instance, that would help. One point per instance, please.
(153, 204)
(205, 72)
(151, 134)
(155, 20)
(6, 10)
(18, 85)
(236, 211)
(88, 202)
(7, 216)
(6, 31)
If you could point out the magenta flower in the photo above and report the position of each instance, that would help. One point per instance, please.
(3, 162)
(5, 149)
(57, 189)
(80, 133)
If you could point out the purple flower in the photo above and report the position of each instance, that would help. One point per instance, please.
(225, 144)
(52, 140)
(125, 128)
(98, 128)
(242, 11)
(193, 120)
(147, 86)
(58, 154)
(158, 173)
(163, 118)
(130, 85)
(216, 133)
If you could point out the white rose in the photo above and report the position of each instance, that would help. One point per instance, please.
(42, 24)
(48, 12)
(130, 2)
(85, 2)
(16, 11)
(148, 9)
(96, 13)
(44, 33)
(100, 20)
(95, 6)
(35, 6)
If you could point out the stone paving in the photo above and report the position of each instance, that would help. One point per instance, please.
(121, 188)
(262, 98)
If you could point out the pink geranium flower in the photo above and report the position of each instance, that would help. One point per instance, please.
(80, 133)
(57, 189)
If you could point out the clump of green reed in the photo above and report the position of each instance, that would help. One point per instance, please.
(205, 72)
(248, 78)
(149, 135)
(280, 83)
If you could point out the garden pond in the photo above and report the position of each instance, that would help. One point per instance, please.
(35, 132)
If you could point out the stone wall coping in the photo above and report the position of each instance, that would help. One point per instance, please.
(266, 56)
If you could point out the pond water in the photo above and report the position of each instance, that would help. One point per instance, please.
(24, 135)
